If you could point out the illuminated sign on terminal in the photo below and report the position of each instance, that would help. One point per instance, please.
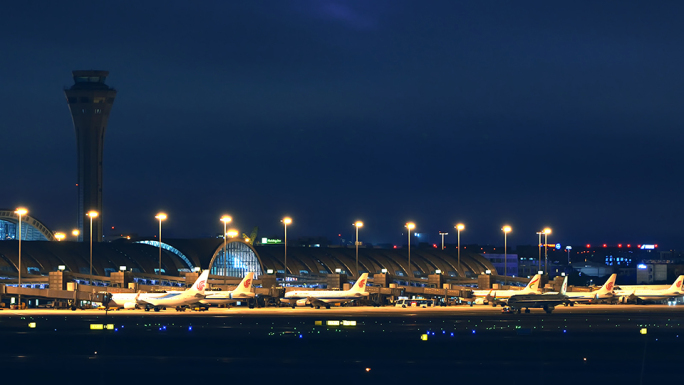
(271, 241)
(648, 247)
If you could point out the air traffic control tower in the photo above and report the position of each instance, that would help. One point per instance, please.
(90, 101)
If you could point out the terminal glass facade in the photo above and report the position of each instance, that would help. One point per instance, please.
(8, 230)
(238, 260)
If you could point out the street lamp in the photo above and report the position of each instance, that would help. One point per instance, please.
(60, 236)
(357, 224)
(459, 227)
(225, 219)
(410, 226)
(540, 245)
(76, 233)
(161, 217)
(547, 231)
(286, 221)
(568, 248)
(443, 234)
(506, 229)
(91, 214)
(20, 211)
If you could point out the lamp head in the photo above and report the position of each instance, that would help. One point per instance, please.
(161, 216)
(547, 231)
(92, 214)
(21, 211)
(506, 229)
(75, 232)
(232, 233)
(226, 219)
(358, 224)
(287, 220)
(410, 225)
(460, 226)
(60, 236)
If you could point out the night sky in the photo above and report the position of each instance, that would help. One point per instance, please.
(531, 114)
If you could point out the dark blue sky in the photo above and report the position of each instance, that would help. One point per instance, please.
(530, 114)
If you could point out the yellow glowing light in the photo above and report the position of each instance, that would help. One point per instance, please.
(506, 229)
(460, 226)
(547, 231)
(226, 219)
(332, 323)
(287, 220)
(318, 323)
(75, 232)
(92, 214)
(232, 233)
(109, 326)
(96, 327)
(643, 331)
(368, 369)
(358, 224)
(348, 323)
(161, 216)
(21, 211)
(32, 325)
(60, 236)
(424, 337)
(410, 225)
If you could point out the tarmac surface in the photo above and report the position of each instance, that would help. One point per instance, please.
(347, 345)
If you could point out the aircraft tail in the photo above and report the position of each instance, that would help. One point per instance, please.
(608, 286)
(245, 285)
(533, 285)
(360, 285)
(199, 285)
(677, 285)
(564, 287)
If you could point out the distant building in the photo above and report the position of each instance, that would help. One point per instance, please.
(90, 101)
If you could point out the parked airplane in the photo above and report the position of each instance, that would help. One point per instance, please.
(500, 296)
(604, 293)
(243, 292)
(643, 295)
(545, 301)
(159, 301)
(317, 299)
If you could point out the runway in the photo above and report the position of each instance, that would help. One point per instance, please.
(313, 346)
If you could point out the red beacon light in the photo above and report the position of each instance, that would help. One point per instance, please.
(628, 245)
(619, 244)
(434, 245)
(604, 245)
(588, 245)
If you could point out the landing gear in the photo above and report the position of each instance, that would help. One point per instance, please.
(526, 311)
(293, 305)
(147, 309)
(548, 309)
(518, 311)
(157, 308)
(327, 306)
(317, 307)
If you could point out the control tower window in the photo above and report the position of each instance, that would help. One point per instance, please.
(98, 100)
(98, 111)
(85, 99)
(73, 100)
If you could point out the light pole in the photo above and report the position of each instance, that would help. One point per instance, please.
(459, 227)
(286, 221)
(91, 214)
(160, 217)
(225, 219)
(357, 224)
(547, 231)
(506, 229)
(568, 248)
(443, 234)
(20, 211)
(539, 266)
(410, 226)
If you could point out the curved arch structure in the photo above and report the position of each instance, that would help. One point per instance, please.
(240, 258)
(31, 228)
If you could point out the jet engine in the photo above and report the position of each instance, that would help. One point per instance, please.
(302, 302)
(129, 305)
